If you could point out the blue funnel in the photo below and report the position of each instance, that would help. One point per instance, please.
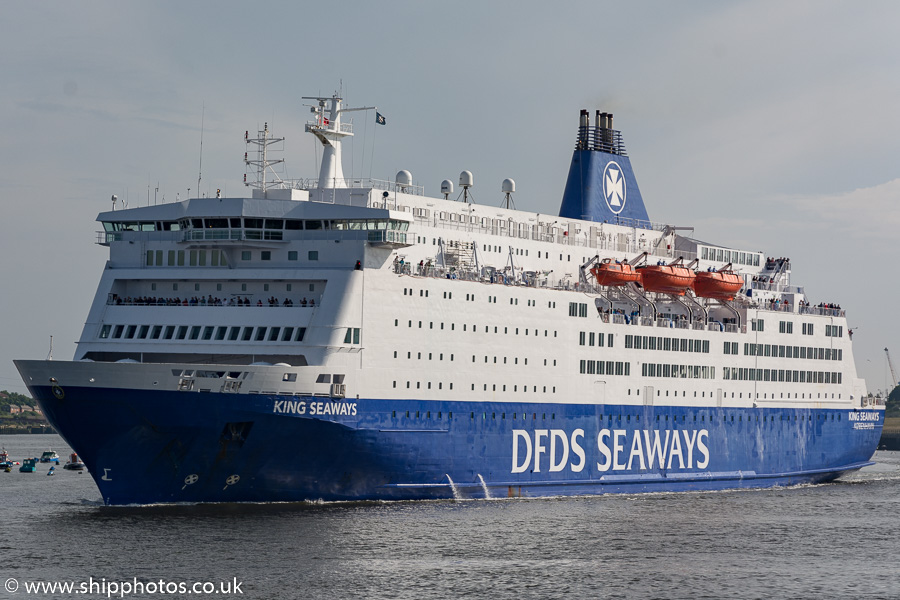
(601, 185)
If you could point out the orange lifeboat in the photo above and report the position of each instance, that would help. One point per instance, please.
(668, 279)
(721, 285)
(612, 274)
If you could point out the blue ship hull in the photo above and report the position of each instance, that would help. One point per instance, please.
(146, 447)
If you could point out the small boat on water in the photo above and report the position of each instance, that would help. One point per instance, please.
(4, 459)
(668, 279)
(74, 463)
(615, 274)
(50, 456)
(28, 465)
(52, 471)
(721, 285)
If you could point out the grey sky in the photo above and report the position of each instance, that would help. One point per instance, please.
(765, 125)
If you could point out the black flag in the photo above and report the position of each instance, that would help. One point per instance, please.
(379, 118)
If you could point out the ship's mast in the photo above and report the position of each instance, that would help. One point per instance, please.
(327, 127)
(262, 162)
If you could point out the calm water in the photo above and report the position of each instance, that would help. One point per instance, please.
(839, 540)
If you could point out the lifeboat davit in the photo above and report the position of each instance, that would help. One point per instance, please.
(721, 285)
(668, 279)
(613, 274)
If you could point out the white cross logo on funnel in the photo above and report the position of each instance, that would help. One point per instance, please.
(614, 187)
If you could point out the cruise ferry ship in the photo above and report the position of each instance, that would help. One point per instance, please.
(355, 339)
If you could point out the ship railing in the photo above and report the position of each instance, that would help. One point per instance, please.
(871, 401)
(105, 237)
(193, 235)
(773, 306)
(823, 311)
(600, 139)
(360, 183)
(599, 241)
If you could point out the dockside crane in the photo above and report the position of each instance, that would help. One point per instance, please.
(891, 365)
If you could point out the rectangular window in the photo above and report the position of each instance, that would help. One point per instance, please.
(265, 255)
(301, 332)
(157, 330)
(292, 255)
(261, 334)
(288, 334)
(248, 334)
(170, 331)
(142, 334)
(313, 255)
(273, 334)
(170, 256)
(220, 333)
(104, 331)
(195, 332)
(207, 332)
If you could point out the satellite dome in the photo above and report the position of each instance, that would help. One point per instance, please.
(509, 186)
(465, 179)
(446, 187)
(404, 178)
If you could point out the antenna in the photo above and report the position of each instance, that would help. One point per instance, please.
(465, 182)
(508, 188)
(200, 169)
(262, 163)
(50, 354)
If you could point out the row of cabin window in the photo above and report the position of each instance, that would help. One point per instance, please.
(678, 371)
(515, 415)
(649, 342)
(808, 328)
(740, 418)
(211, 258)
(578, 309)
(777, 350)
(740, 395)
(600, 367)
(257, 223)
(204, 332)
(729, 256)
(475, 328)
(419, 355)
(782, 375)
(591, 339)
(515, 388)
(287, 287)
